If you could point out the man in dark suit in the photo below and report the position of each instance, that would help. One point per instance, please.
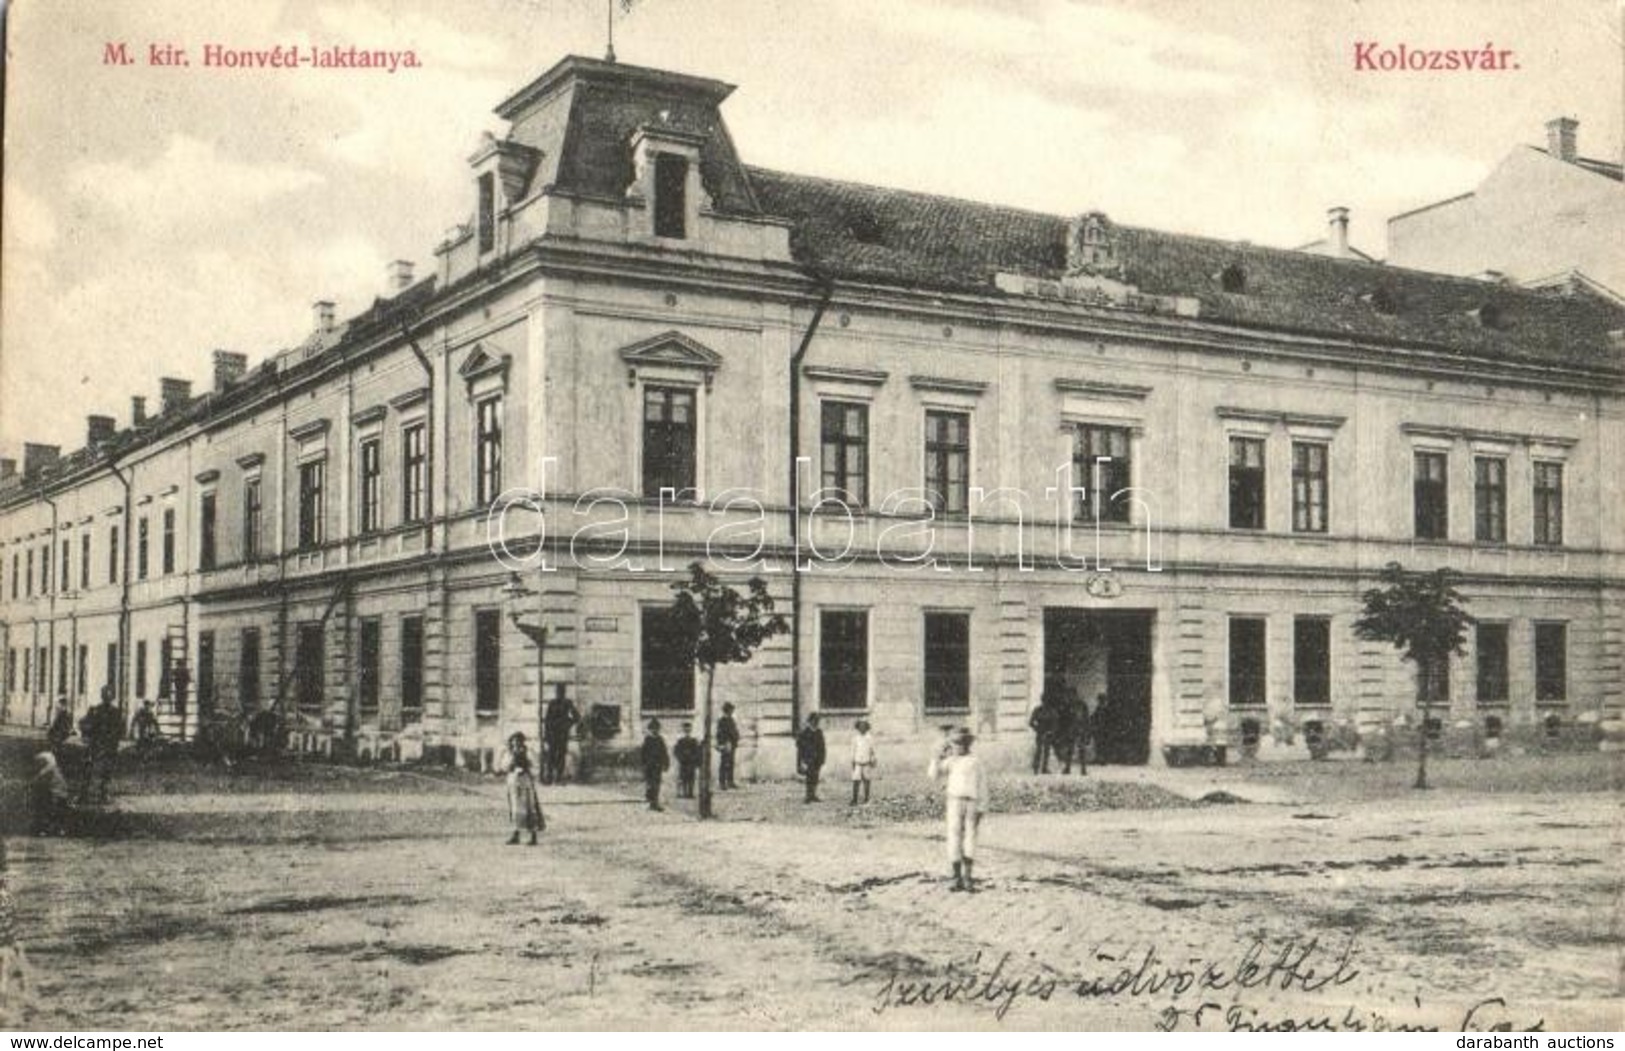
(727, 747)
(656, 760)
(810, 755)
(560, 719)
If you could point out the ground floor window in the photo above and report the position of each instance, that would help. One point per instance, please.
(82, 675)
(1247, 662)
(367, 666)
(843, 658)
(666, 672)
(1312, 660)
(141, 669)
(1433, 681)
(205, 671)
(1491, 647)
(947, 661)
(308, 664)
(411, 669)
(248, 670)
(487, 661)
(1551, 662)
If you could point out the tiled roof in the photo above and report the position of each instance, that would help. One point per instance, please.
(884, 236)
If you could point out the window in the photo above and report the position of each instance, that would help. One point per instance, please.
(251, 519)
(65, 573)
(667, 671)
(29, 555)
(205, 671)
(671, 195)
(487, 218)
(368, 495)
(845, 438)
(111, 678)
(1551, 662)
(84, 561)
(112, 555)
(668, 440)
(947, 462)
(1312, 660)
(1549, 503)
(63, 683)
(1491, 648)
(45, 569)
(415, 478)
(141, 669)
(1432, 495)
(1100, 464)
(1308, 487)
(82, 672)
(169, 540)
(11, 670)
(488, 451)
(487, 662)
(141, 549)
(166, 663)
(311, 479)
(843, 659)
(1490, 499)
(248, 670)
(411, 669)
(14, 574)
(1433, 680)
(42, 670)
(947, 661)
(205, 531)
(368, 668)
(309, 669)
(1246, 483)
(1246, 662)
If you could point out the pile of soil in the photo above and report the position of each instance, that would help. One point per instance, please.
(1027, 797)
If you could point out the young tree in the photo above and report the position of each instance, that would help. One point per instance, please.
(718, 625)
(1421, 614)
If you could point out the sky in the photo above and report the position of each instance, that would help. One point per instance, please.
(153, 214)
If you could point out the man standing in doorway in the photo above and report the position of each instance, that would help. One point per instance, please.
(560, 719)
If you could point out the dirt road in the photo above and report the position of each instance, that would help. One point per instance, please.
(385, 901)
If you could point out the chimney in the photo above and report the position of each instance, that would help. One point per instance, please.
(1561, 134)
(322, 311)
(229, 368)
(138, 410)
(1337, 233)
(400, 276)
(174, 393)
(36, 457)
(99, 429)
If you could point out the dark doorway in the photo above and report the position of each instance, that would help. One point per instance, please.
(1105, 657)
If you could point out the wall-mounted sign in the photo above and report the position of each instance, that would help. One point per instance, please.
(602, 624)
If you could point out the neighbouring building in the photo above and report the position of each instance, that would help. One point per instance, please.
(1155, 468)
(1542, 218)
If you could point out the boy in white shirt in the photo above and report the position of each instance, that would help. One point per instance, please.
(863, 759)
(967, 797)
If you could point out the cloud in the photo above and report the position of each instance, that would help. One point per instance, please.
(437, 44)
(28, 219)
(190, 185)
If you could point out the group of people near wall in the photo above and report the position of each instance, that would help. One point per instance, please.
(1062, 727)
(100, 730)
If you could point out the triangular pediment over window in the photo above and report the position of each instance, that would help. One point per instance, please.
(484, 369)
(671, 351)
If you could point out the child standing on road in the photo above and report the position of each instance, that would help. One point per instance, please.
(524, 808)
(863, 760)
(967, 798)
(655, 759)
(687, 752)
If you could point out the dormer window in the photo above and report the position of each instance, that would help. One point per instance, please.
(486, 220)
(1233, 279)
(671, 195)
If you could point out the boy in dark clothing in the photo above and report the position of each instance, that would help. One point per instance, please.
(810, 755)
(727, 747)
(1043, 723)
(656, 760)
(687, 753)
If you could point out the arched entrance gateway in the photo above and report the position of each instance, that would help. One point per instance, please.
(1104, 656)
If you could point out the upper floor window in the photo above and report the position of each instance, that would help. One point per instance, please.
(415, 473)
(141, 547)
(14, 574)
(671, 195)
(169, 540)
(371, 467)
(112, 554)
(1246, 483)
(1432, 495)
(1100, 465)
(84, 560)
(65, 576)
(486, 220)
(668, 440)
(1309, 487)
(45, 569)
(1548, 503)
(488, 450)
(252, 518)
(206, 532)
(312, 481)
(947, 461)
(1490, 499)
(845, 440)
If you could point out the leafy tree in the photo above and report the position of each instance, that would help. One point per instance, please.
(718, 625)
(1421, 615)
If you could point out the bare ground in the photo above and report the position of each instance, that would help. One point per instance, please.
(303, 897)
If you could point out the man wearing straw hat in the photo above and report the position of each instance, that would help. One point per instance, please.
(966, 796)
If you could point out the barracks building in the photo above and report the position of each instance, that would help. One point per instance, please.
(972, 449)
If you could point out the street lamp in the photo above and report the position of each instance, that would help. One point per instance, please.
(515, 592)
